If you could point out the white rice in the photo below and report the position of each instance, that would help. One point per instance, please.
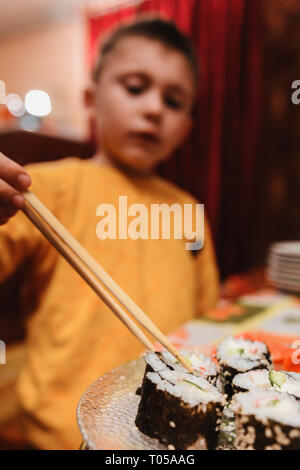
(185, 386)
(292, 384)
(259, 380)
(155, 362)
(241, 354)
(256, 379)
(199, 362)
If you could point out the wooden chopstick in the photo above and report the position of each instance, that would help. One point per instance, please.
(65, 251)
(80, 259)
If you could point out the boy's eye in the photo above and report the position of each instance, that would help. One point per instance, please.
(173, 103)
(134, 89)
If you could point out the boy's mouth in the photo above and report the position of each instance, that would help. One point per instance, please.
(148, 137)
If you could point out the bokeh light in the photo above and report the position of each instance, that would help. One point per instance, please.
(30, 123)
(38, 103)
(15, 104)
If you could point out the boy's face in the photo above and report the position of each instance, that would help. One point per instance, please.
(142, 102)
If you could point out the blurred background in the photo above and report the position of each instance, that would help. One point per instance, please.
(243, 158)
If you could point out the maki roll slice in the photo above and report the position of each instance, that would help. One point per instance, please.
(178, 408)
(202, 365)
(280, 381)
(266, 420)
(237, 355)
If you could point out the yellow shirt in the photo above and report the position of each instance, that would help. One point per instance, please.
(72, 337)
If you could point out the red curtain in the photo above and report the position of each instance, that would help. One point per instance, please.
(219, 161)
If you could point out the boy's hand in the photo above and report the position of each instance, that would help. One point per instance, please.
(13, 180)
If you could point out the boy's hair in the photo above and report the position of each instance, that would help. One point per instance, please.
(154, 28)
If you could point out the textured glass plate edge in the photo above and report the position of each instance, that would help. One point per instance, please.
(124, 369)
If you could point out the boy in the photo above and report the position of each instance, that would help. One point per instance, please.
(142, 97)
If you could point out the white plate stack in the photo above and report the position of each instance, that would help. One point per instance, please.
(283, 266)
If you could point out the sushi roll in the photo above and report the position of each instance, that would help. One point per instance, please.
(266, 420)
(202, 365)
(178, 408)
(237, 355)
(280, 381)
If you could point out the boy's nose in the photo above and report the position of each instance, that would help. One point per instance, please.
(153, 106)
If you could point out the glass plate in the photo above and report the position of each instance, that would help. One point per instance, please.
(106, 411)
